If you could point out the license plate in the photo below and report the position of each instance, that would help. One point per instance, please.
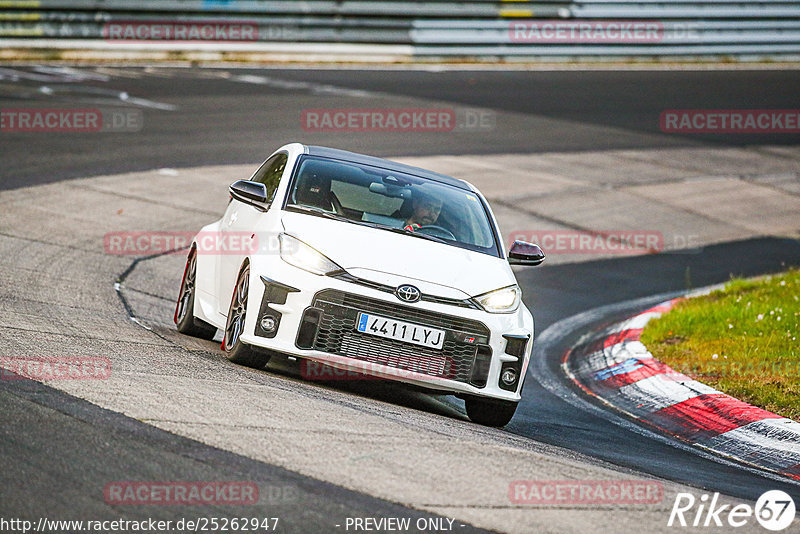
(400, 330)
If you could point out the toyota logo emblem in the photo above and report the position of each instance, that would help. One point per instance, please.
(407, 293)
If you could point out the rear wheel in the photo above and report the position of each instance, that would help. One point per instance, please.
(185, 320)
(490, 413)
(235, 350)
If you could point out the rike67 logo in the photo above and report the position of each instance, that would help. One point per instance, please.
(774, 510)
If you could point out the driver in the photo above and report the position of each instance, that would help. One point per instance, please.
(426, 209)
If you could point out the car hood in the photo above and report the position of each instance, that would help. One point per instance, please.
(393, 259)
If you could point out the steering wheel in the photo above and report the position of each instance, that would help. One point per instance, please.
(438, 231)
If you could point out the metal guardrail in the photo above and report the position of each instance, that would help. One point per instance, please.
(379, 8)
(513, 29)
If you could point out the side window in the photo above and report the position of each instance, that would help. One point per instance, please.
(270, 173)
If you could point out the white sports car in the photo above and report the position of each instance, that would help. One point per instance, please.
(367, 266)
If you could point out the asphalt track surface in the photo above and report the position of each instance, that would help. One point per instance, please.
(59, 446)
(218, 122)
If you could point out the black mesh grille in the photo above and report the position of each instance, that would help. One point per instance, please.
(337, 335)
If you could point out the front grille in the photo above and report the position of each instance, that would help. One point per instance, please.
(347, 277)
(336, 334)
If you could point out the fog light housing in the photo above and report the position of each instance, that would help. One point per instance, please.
(269, 324)
(509, 376)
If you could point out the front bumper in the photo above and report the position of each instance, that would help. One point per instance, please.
(317, 323)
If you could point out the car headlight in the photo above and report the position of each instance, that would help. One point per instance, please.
(297, 253)
(505, 300)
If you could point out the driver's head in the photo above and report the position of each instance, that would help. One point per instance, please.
(426, 208)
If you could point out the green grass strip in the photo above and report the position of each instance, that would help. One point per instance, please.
(743, 340)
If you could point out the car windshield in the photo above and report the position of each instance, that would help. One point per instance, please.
(392, 201)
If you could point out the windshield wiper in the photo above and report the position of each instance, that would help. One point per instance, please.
(311, 210)
(414, 234)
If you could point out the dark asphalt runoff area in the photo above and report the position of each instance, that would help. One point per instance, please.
(57, 446)
(222, 121)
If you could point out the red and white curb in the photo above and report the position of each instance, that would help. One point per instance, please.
(613, 366)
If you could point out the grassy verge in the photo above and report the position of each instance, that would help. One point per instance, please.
(743, 340)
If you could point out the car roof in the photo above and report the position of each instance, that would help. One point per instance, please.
(344, 155)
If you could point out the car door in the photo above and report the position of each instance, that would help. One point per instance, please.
(238, 234)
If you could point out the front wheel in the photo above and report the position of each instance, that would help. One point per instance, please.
(235, 350)
(490, 413)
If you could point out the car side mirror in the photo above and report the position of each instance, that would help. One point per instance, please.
(253, 193)
(522, 253)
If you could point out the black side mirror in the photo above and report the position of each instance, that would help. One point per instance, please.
(253, 193)
(523, 253)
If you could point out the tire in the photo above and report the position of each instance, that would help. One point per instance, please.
(235, 350)
(490, 413)
(185, 320)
